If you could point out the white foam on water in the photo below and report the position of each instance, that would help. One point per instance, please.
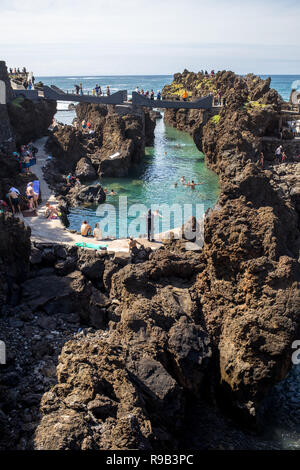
(63, 105)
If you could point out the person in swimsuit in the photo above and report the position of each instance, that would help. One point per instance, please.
(51, 211)
(192, 184)
(85, 229)
(13, 198)
(133, 249)
(97, 232)
(31, 197)
(30, 192)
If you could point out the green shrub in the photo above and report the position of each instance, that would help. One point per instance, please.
(216, 119)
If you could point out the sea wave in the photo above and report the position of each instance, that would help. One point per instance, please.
(63, 105)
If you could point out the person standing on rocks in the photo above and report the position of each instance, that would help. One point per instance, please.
(261, 160)
(278, 152)
(13, 198)
(151, 95)
(108, 90)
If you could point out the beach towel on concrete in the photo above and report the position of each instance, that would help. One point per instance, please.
(90, 245)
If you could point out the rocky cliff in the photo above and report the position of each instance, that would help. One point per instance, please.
(173, 338)
(116, 145)
(21, 119)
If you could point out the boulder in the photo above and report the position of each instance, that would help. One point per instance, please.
(92, 194)
(85, 170)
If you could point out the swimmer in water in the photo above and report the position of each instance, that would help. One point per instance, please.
(156, 213)
(192, 184)
(112, 193)
(182, 179)
(175, 184)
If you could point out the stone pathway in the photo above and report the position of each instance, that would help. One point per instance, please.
(53, 231)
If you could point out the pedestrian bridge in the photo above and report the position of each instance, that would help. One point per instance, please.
(118, 98)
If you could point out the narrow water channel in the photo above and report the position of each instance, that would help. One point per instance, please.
(152, 184)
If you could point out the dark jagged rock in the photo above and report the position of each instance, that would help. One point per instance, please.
(93, 194)
(30, 120)
(173, 329)
(85, 171)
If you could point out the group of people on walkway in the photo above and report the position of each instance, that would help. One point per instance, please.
(148, 94)
(17, 71)
(96, 91)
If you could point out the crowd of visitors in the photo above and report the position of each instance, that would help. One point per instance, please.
(27, 80)
(14, 200)
(26, 157)
(96, 91)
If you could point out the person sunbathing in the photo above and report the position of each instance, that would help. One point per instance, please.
(50, 212)
(132, 244)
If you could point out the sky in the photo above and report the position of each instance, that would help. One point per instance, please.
(132, 37)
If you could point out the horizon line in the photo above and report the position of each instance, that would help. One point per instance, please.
(164, 75)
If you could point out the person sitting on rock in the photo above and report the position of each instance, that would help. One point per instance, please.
(97, 232)
(50, 211)
(85, 229)
(133, 249)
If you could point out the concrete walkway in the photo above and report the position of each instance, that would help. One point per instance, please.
(53, 231)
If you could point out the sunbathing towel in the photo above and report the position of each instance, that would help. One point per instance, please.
(36, 187)
(90, 245)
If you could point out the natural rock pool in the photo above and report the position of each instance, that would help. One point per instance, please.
(152, 184)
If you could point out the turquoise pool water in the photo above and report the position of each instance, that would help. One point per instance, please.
(152, 184)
